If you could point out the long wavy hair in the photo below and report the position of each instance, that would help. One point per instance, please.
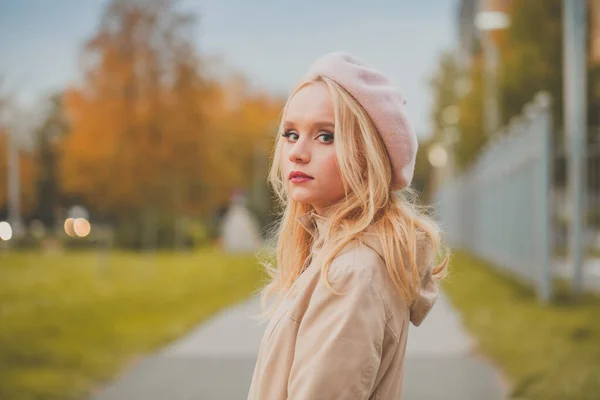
(410, 237)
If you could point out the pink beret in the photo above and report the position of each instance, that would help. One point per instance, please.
(382, 101)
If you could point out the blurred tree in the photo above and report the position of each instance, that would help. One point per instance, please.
(52, 130)
(3, 172)
(532, 56)
(449, 92)
(9, 115)
(137, 125)
(471, 127)
(531, 60)
(243, 124)
(3, 152)
(4, 101)
(444, 86)
(154, 137)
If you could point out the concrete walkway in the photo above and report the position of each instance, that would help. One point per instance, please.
(216, 362)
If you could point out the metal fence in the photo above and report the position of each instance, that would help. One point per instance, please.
(500, 208)
(562, 211)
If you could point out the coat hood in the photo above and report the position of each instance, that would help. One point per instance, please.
(429, 290)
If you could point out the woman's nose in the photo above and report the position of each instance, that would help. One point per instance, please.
(299, 153)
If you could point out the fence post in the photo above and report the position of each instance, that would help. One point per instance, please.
(543, 105)
(575, 110)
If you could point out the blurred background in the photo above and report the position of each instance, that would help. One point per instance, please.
(135, 141)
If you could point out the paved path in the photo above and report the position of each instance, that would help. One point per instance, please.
(216, 362)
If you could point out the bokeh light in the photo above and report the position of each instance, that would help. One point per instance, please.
(82, 227)
(437, 156)
(5, 231)
(492, 20)
(69, 230)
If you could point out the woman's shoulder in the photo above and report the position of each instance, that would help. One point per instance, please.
(361, 265)
(361, 255)
(369, 254)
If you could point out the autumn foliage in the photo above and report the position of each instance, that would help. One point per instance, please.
(153, 127)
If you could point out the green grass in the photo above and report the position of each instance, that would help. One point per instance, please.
(548, 352)
(69, 324)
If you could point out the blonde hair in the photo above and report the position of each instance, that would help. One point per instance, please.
(410, 237)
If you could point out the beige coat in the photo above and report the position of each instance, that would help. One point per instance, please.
(318, 345)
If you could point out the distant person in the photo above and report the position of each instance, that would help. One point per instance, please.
(342, 166)
(240, 230)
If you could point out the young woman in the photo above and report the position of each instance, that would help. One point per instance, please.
(355, 256)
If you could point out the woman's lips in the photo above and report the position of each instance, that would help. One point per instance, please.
(300, 179)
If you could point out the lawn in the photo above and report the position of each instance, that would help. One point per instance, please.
(549, 352)
(69, 323)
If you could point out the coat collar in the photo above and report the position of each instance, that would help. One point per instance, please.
(315, 223)
(312, 222)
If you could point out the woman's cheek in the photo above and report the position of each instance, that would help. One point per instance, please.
(332, 171)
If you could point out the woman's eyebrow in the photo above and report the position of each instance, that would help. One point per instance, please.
(288, 124)
(325, 123)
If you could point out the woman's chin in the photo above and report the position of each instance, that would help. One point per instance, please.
(302, 196)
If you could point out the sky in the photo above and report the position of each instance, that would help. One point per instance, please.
(271, 42)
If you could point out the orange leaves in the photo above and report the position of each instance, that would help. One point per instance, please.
(149, 126)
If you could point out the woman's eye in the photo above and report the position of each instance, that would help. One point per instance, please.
(288, 134)
(328, 137)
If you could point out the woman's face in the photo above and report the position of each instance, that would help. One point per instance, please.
(307, 148)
